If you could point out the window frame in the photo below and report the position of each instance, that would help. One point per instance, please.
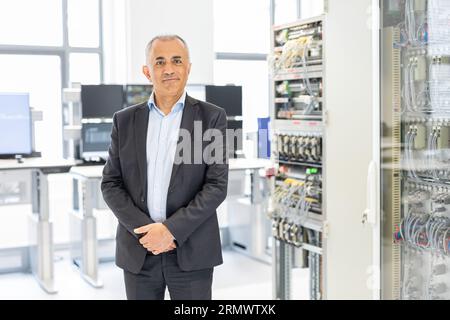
(241, 56)
(63, 52)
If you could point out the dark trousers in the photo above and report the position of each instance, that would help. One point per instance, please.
(162, 271)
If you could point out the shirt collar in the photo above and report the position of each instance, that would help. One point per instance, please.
(179, 105)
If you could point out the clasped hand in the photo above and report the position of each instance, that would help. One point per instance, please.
(157, 238)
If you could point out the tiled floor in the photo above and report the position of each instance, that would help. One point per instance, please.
(239, 278)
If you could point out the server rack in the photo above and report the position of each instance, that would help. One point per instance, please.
(298, 115)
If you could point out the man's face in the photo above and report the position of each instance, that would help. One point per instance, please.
(168, 67)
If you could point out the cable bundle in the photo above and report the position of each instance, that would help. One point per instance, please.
(425, 232)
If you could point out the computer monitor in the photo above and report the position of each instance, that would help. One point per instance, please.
(101, 101)
(234, 138)
(15, 125)
(137, 93)
(95, 141)
(227, 97)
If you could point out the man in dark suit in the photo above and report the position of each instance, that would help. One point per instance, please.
(164, 181)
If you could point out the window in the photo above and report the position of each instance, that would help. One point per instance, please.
(286, 11)
(44, 45)
(83, 21)
(242, 42)
(253, 77)
(311, 8)
(85, 68)
(31, 22)
(242, 26)
(24, 73)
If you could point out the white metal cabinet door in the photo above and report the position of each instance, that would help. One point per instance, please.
(348, 268)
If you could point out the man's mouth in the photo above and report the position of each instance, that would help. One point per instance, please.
(171, 79)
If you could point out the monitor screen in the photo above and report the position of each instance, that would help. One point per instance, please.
(137, 93)
(95, 140)
(101, 101)
(234, 137)
(15, 124)
(227, 97)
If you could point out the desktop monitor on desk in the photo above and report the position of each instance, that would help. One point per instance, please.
(101, 101)
(15, 125)
(95, 141)
(227, 97)
(234, 138)
(137, 93)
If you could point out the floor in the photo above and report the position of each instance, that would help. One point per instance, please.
(239, 278)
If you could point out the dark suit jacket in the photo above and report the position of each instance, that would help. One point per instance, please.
(195, 190)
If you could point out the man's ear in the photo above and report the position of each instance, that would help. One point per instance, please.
(146, 72)
(189, 69)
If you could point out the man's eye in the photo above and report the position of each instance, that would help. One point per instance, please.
(178, 61)
(159, 62)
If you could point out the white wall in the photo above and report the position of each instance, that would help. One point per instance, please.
(192, 20)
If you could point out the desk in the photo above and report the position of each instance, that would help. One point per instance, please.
(249, 226)
(86, 197)
(41, 232)
(252, 164)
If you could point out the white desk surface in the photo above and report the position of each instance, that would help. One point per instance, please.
(234, 165)
(243, 164)
(35, 163)
(88, 171)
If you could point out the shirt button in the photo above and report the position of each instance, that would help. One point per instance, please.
(142, 199)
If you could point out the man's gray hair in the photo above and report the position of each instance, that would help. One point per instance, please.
(167, 37)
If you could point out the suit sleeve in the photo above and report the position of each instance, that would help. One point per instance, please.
(114, 193)
(186, 220)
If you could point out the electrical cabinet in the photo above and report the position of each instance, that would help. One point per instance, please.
(415, 149)
(322, 145)
(297, 212)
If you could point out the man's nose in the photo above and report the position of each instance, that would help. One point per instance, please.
(168, 70)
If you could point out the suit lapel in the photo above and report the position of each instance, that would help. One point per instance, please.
(140, 131)
(187, 123)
